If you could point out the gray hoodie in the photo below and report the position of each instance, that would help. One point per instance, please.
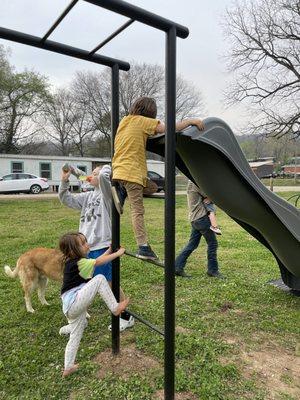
(95, 206)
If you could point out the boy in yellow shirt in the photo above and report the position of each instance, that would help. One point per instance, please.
(130, 167)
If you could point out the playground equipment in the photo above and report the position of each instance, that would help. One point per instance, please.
(213, 159)
(194, 153)
(172, 31)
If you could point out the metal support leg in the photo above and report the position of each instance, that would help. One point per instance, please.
(115, 215)
(170, 214)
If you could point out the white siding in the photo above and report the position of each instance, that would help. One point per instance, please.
(31, 165)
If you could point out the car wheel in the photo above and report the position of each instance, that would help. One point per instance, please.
(35, 189)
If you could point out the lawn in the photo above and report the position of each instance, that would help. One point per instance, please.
(282, 182)
(181, 182)
(235, 339)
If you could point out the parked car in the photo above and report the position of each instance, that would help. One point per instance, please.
(23, 182)
(272, 175)
(158, 179)
(154, 176)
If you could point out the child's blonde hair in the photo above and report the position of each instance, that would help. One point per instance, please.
(145, 106)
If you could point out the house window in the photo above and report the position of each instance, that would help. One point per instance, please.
(82, 167)
(17, 167)
(45, 170)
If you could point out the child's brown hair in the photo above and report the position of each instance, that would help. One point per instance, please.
(69, 245)
(145, 106)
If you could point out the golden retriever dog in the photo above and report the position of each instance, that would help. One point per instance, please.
(34, 268)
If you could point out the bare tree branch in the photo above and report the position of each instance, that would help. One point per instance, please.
(265, 58)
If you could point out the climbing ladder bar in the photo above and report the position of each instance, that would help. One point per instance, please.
(157, 263)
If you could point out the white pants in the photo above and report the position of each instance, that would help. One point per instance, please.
(77, 313)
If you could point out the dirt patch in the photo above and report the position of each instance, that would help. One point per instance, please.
(181, 329)
(238, 312)
(159, 287)
(130, 361)
(230, 340)
(178, 396)
(272, 367)
(226, 306)
(279, 371)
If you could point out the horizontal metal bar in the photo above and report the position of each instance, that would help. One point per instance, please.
(157, 263)
(56, 47)
(59, 19)
(141, 15)
(109, 38)
(145, 322)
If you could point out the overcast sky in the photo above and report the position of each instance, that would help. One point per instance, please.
(199, 57)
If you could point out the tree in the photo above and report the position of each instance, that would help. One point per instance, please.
(141, 80)
(21, 97)
(5, 69)
(258, 146)
(93, 90)
(265, 57)
(189, 100)
(149, 80)
(58, 120)
(82, 126)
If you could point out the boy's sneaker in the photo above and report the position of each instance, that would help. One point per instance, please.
(125, 324)
(217, 275)
(216, 229)
(119, 195)
(182, 273)
(146, 253)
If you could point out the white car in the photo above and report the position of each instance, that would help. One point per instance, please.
(22, 182)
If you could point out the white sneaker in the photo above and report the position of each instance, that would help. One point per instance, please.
(216, 229)
(124, 324)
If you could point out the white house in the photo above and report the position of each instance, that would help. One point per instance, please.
(50, 166)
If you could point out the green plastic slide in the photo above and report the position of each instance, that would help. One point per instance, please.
(214, 160)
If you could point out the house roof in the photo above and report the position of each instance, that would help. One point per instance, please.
(63, 158)
(45, 157)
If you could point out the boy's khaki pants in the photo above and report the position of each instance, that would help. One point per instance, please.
(135, 196)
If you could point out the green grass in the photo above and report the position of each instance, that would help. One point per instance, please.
(282, 182)
(181, 182)
(258, 314)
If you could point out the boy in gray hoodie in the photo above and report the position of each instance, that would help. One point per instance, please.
(95, 220)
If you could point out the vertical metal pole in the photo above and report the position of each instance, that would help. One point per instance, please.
(170, 214)
(115, 216)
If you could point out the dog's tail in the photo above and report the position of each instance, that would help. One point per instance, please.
(12, 273)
